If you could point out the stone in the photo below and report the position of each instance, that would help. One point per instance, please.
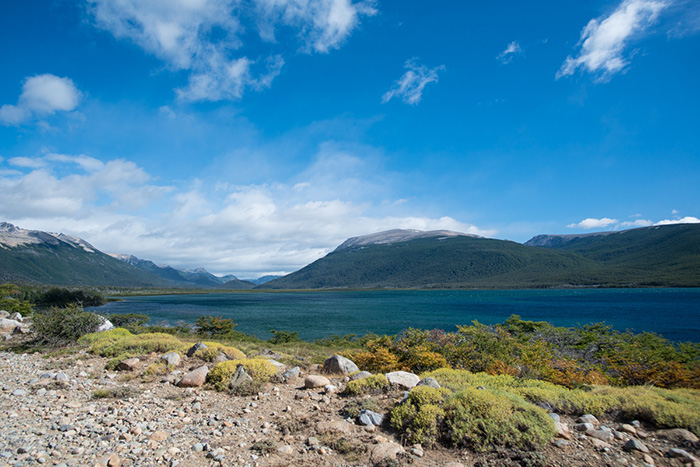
(330, 389)
(4, 314)
(172, 358)
(21, 330)
(158, 436)
(195, 378)
(360, 375)
(368, 417)
(635, 445)
(198, 346)
(600, 444)
(384, 451)
(130, 364)
(19, 392)
(291, 373)
(454, 464)
(220, 357)
(588, 418)
(337, 364)
(678, 435)
(403, 379)
(7, 325)
(417, 450)
(430, 382)
(585, 427)
(315, 381)
(239, 378)
(625, 428)
(105, 326)
(556, 418)
(562, 430)
(280, 367)
(114, 460)
(602, 435)
(16, 316)
(682, 454)
(285, 450)
(561, 443)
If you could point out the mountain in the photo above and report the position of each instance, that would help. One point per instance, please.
(197, 278)
(397, 235)
(262, 279)
(48, 258)
(652, 256)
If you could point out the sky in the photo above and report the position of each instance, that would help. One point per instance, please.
(253, 137)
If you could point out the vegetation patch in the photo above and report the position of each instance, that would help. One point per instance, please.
(120, 344)
(370, 384)
(114, 393)
(60, 326)
(259, 369)
(212, 351)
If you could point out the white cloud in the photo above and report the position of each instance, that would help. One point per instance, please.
(604, 40)
(204, 37)
(410, 86)
(42, 95)
(683, 220)
(510, 52)
(249, 230)
(636, 223)
(591, 223)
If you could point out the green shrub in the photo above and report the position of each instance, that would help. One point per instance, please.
(214, 325)
(64, 325)
(259, 369)
(213, 349)
(121, 343)
(10, 300)
(419, 418)
(366, 385)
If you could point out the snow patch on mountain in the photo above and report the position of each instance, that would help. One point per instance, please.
(12, 237)
(397, 236)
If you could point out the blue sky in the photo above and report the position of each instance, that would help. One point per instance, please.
(254, 137)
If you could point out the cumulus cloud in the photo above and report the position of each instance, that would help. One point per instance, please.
(42, 95)
(591, 223)
(249, 230)
(510, 52)
(682, 220)
(204, 37)
(409, 88)
(604, 40)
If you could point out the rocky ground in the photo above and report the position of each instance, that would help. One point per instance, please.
(53, 412)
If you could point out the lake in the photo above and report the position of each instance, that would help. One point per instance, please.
(674, 313)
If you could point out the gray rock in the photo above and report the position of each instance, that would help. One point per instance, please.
(635, 445)
(338, 364)
(383, 451)
(678, 435)
(430, 382)
(105, 326)
(368, 417)
(555, 417)
(7, 325)
(130, 364)
(19, 392)
(4, 314)
(602, 435)
(195, 378)
(221, 357)
(315, 381)
(682, 454)
(16, 316)
(171, 358)
(360, 375)
(588, 418)
(280, 367)
(585, 427)
(195, 348)
(403, 379)
(239, 378)
(61, 376)
(291, 373)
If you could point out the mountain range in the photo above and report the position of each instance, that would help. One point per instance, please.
(666, 256)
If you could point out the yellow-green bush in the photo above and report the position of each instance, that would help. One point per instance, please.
(665, 408)
(213, 349)
(120, 342)
(259, 369)
(421, 415)
(365, 385)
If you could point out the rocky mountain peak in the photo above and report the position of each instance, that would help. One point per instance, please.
(398, 235)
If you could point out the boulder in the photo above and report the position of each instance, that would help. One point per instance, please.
(130, 364)
(105, 326)
(588, 418)
(635, 445)
(239, 378)
(562, 430)
(384, 451)
(195, 348)
(8, 325)
(430, 382)
(280, 367)
(4, 314)
(678, 435)
(338, 364)
(171, 358)
(602, 435)
(291, 373)
(403, 379)
(360, 375)
(316, 381)
(16, 316)
(221, 357)
(334, 426)
(368, 417)
(195, 378)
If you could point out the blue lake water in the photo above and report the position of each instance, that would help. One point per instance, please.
(674, 313)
